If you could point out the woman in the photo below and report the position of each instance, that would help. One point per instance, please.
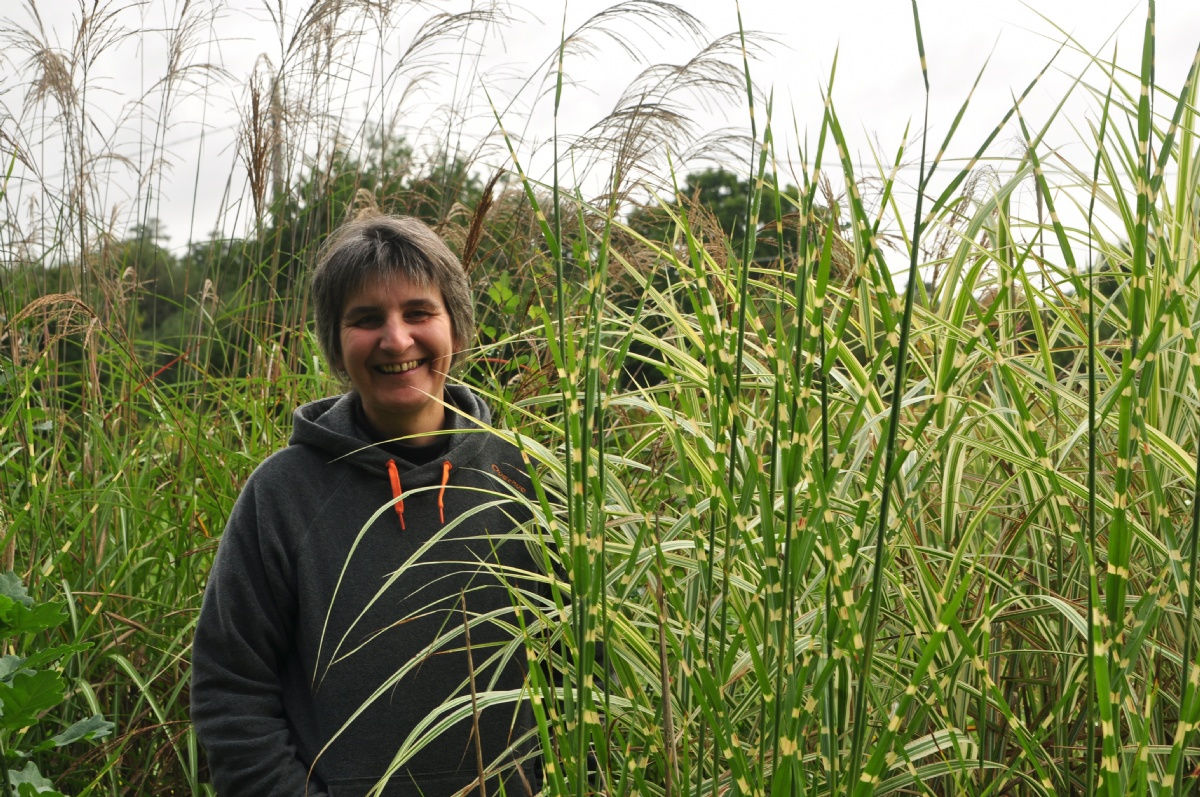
(356, 587)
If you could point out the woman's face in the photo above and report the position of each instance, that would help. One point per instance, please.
(397, 344)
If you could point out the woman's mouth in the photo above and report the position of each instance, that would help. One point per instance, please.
(399, 368)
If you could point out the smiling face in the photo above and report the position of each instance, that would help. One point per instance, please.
(396, 346)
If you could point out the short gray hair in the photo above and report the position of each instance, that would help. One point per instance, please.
(376, 245)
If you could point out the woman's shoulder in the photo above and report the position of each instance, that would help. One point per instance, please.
(297, 468)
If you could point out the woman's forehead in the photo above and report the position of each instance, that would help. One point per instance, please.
(391, 286)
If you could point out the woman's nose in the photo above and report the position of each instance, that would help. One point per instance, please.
(396, 335)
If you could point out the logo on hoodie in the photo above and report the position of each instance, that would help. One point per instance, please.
(508, 479)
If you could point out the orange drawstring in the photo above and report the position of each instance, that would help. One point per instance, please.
(394, 477)
(442, 492)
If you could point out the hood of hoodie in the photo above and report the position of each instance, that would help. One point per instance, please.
(329, 426)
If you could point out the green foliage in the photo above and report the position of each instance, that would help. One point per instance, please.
(30, 686)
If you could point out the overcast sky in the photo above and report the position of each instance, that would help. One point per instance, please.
(878, 88)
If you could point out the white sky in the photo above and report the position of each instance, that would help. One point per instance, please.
(877, 92)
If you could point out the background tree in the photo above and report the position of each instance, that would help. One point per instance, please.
(725, 196)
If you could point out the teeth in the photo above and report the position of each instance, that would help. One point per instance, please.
(399, 368)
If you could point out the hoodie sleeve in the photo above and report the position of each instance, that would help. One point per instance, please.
(240, 652)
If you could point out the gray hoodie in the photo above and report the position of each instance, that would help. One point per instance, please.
(320, 593)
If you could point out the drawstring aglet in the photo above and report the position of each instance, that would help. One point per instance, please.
(442, 492)
(394, 478)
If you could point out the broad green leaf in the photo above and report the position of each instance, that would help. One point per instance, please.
(52, 655)
(30, 782)
(9, 665)
(17, 618)
(26, 696)
(93, 727)
(13, 588)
